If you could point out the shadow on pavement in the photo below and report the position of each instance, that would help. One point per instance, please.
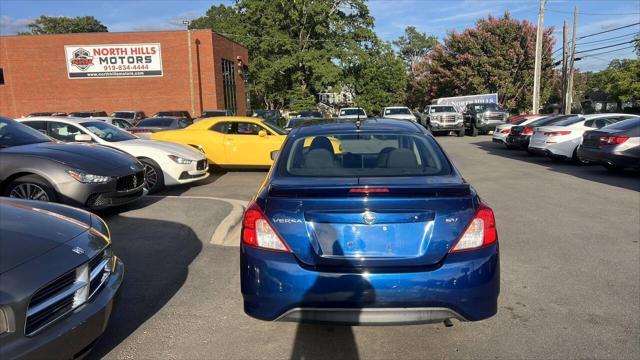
(156, 266)
(627, 179)
(314, 341)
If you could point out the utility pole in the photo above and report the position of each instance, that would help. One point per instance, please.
(569, 95)
(565, 35)
(538, 61)
(193, 99)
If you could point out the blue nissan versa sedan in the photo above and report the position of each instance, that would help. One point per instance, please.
(368, 222)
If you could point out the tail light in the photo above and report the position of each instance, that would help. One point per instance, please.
(258, 232)
(135, 131)
(505, 131)
(480, 232)
(366, 190)
(556, 133)
(528, 130)
(613, 140)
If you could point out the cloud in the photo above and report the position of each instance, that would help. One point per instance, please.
(11, 26)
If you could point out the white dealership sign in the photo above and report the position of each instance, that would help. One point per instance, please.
(113, 61)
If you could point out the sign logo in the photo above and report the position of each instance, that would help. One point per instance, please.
(78, 250)
(369, 218)
(82, 59)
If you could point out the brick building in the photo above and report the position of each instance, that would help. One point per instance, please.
(146, 71)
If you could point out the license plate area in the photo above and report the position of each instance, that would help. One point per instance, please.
(353, 241)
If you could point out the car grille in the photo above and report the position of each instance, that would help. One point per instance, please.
(449, 119)
(101, 200)
(494, 117)
(130, 182)
(201, 164)
(67, 292)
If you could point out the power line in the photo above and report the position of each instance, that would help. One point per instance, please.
(608, 39)
(605, 47)
(606, 31)
(594, 14)
(607, 52)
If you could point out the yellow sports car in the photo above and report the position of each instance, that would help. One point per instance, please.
(230, 141)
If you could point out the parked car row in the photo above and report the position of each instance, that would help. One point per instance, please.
(88, 163)
(612, 140)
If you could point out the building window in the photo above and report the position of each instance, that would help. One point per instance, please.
(1, 76)
(229, 85)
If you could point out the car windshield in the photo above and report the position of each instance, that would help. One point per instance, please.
(312, 114)
(123, 114)
(107, 132)
(156, 122)
(12, 133)
(364, 155)
(485, 107)
(275, 128)
(437, 109)
(352, 112)
(397, 111)
(625, 124)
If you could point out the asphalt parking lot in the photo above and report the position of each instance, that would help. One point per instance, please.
(569, 264)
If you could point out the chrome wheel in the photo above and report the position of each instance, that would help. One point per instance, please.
(150, 176)
(29, 191)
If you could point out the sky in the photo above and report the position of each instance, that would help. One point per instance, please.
(434, 17)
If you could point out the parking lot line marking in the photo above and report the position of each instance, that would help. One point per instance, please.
(228, 231)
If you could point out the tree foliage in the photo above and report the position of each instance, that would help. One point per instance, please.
(414, 45)
(64, 25)
(495, 56)
(621, 79)
(297, 48)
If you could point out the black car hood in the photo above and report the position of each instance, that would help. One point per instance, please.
(91, 158)
(28, 230)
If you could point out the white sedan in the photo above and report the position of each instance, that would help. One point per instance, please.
(561, 140)
(165, 163)
(398, 112)
(502, 131)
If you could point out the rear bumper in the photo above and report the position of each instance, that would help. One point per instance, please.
(604, 157)
(74, 335)
(520, 141)
(464, 286)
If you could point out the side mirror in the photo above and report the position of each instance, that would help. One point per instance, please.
(262, 133)
(82, 138)
(274, 154)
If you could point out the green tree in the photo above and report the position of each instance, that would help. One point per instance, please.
(64, 25)
(295, 47)
(495, 56)
(622, 79)
(414, 45)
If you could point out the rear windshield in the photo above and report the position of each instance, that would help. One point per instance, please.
(157, 122)
(568, 121)
(550, 120)
(364, 155)
(171, 113)
(625, 124)
(397, 111)
(352, 112)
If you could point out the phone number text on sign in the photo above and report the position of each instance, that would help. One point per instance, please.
(113, 61)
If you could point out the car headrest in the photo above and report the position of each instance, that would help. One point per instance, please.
(319, 159)
(402, 158)
(321, 142)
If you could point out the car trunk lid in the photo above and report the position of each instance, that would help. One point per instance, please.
(405, 223)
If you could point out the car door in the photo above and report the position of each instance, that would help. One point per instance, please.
(244, 146)
(212, 141)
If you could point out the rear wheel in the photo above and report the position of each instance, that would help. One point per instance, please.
(31, 187)
(154, 179)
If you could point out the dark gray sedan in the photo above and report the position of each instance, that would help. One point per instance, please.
(148, 126)
(58, 280)
(34, 166)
